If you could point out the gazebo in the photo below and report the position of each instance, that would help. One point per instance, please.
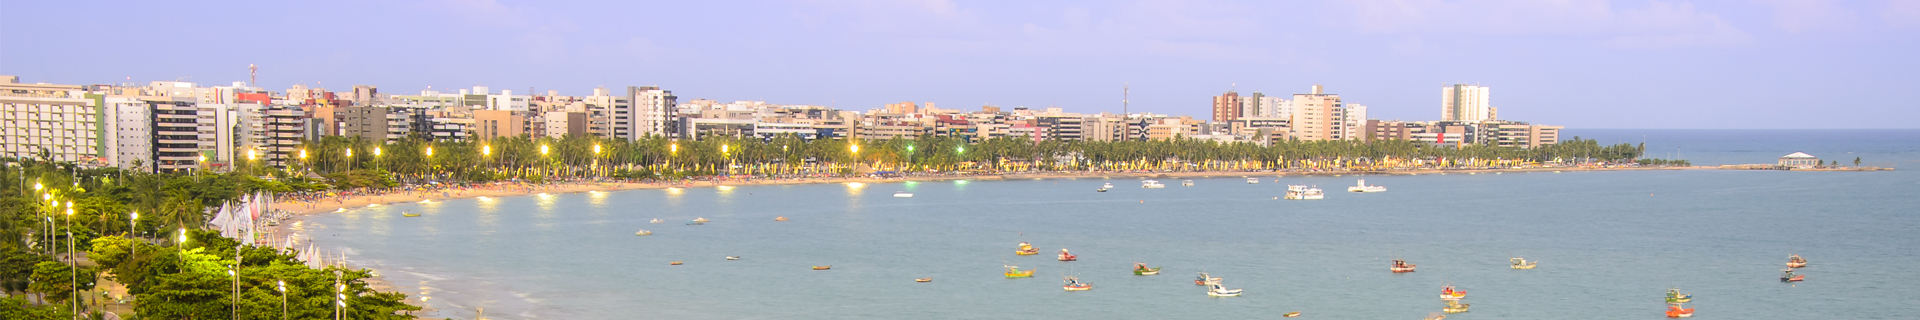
(1799, 160)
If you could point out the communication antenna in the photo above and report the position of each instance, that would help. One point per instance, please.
(1124, 90)
(253, 75)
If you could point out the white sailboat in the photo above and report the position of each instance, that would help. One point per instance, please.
(1363, 187)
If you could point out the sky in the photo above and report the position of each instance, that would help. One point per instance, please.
(1577, 63)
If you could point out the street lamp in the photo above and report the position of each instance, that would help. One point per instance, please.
(283, 299)
(73, 277)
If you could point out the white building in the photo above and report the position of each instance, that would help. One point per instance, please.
(651, 111)
(57, 122)
(1465, 103)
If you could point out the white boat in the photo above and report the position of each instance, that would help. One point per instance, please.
(903, 194)
(1253, 180)
(1107, 186)
(1187, 183)
(643, 233)
(657, 220)
(1151, 184)
(1300, 192)
(1363, 187)
(1222, 291)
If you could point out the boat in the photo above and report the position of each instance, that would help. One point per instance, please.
(1205, 279)
(1073, 284)
(1015, 272)
(1795, 261)
(1522, 263)
(1151, 184)
(643, 232)
(1401, 266)
(1448, 293)
(695, 222)
(701, 220)
(1788, 276)
(733, 257)
(1290, 314)
(1677, 311)
(656, 220)
(1674, 296)
(1141, 269)
(1301, 192)
(1026, 249)
(1253, 180)
(1221, 291)
(902, 194)
(1363, 187)
(825, 267)
(1102, 189)
(927, 279)
(409, 214)
(1107, 186)
(1187, 183)
(1435, 316)
(1455, 307)
(780, 218)
(1064, 256)
(675, 263)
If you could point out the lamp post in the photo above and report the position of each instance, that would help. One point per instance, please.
(283, 299)
(544, 165)
(856, 158)
(234, 301)
(73, 276)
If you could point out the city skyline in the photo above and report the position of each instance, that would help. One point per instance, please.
(1700, 64)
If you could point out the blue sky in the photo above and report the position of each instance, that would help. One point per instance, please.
(1583, 64)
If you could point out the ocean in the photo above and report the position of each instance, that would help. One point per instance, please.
(1609, 243)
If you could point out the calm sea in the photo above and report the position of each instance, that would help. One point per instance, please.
(1609, 244)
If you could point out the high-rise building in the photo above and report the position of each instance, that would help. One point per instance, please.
(652, 112)
(1464, 103)
(1318, 116)
(49, 121)
(1226, 107)
(376, 123)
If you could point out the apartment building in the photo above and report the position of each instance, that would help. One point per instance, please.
(50, 122)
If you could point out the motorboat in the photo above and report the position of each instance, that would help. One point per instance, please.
(1218, 290)
(1253, 180)
(902, 194)
(1401, 266)
(1151, 184)
(1363, 187)
(409, 214)
(695, 223)
(675, 263)
(733, 257)
(1186, 183)
(1674, 296)
(1107, 186)
(1015, 272)
(643, 233)
(1205, 279)
(1448, 293)
(1073, 284)
(1141, 269)
(825, 267)
(1065, 256)
(701, 220)
(1026, 249)
(1290, 314)
(1455, 307)
(1678, 311)
(1435, 316)
(657, 220)
(1795, 261)
(927, 279)
(1102, 189)
(1522, 263)
(1788, 276)
(1301, 192)
(780, 218)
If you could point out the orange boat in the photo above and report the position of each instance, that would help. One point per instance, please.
(1795, 261)
(1788, 276)
(1447, 293)
(781, 218)
(823, 267)
(1026, 249)
(1401, 266)
(927, 279)
(1064, 256)
(675, 263)
(1676, 311)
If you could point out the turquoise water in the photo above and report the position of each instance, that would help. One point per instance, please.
(1609, 244)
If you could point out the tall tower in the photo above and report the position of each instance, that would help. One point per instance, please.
(1226, 107)
(1464, 103)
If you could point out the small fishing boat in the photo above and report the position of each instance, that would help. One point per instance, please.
(780, 218)
(695, 222)
(1678, 311)
(733, 257)
(1015, 272)
(1141, 269)
(1301, 192)
(701, 220)
(409, 214)
(1788, 276)
(902, 194)
(1073, 284)
(1205, 279)
(1291, 314)
(1674, 296)
(1795, 261)
(1026, 249)
(1107, 186)
(1401, 266)
(825, 267)
(657, 220)
(1522, 263)
(1064, 256)
(1455, 307)
(1448, 293)
(927, 279)
(675, 263)
(1363, 187)
(1221, 291)
(1253, 180)
(1151, 184)
(1101, 189)
(1186, 183)
(1435, 316)
(643, 232)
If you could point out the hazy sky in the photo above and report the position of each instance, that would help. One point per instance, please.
(1583, 64)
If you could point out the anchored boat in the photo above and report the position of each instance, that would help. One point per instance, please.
(1401, 266)
(1455, 307)
(825, 267)
(1187, 183)
(902, 194)
(927, 279)
(656, 220)
(1677, 311)
(1026, 249)
(1363, 187)
(1141, 269)
(1015, 272)
(1448, 293)
(733, 257)
(643, 232)
(1522, 263)
(409, 214)
(1073, 284)
(1221, 291)
(780, 218)
(1674, 296)
(1065, 256)
(1301, 192)
(1152, 184)
(1795, 261)
(1205, 279)
(1253, 180)
(675, 263)
(1788, 276)
(1291, 314)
